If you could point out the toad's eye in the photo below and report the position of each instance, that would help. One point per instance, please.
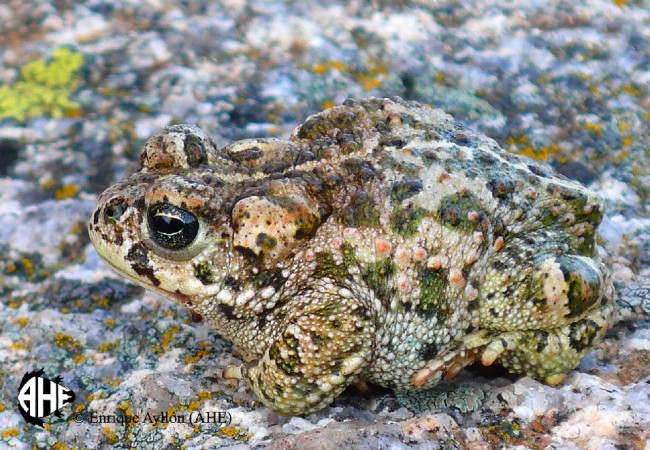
(171, 227)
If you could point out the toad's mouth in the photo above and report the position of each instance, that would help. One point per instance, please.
(174, 296)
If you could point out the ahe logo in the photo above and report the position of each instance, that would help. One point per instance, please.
(39, 397)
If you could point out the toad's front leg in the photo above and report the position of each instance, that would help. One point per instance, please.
(321, 349)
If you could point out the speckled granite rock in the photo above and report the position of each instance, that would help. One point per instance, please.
(563, 82)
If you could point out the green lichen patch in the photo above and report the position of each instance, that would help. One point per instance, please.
(44, 89)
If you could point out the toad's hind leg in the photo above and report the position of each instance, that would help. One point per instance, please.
(547, 355)
(544, 323)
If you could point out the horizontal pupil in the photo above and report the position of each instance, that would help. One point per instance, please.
(172, 227)
(167, 224)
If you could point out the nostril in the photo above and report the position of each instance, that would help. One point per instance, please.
(114, 210)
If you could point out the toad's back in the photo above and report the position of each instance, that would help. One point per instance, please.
(448, 231)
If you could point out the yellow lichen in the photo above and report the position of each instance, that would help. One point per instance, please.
(43, 89)
(328, 104)
(193, 406)
(77, 227)
(594, 127)
(29, 267)
(10, 433)
(16, 304)
(230, 431)
(626, 141)
(19, 346)
(520, 146)
(110, 434)
(637, 171)
(370, 77)
(369, 82)
(632, 90)
(126, 408)
(197, 356)
(166, 340)
(66, 191)
(107, 346)
(102, 302)
(204, 395)
(373, 76)
(321, 68)
(236, 433)
(66, 341)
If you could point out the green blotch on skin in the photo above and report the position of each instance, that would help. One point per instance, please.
(432, 294)
(534, 291)
(588, 245)
(203, 272)
(265, 241)
(405, 221)
(327, 309)
(582, 334)
(584, 285)
(315, 127)
(360, 213)
(547, 217)
(327, 267)
(404, 189)
(378, 277)
(319, 338)
(43, 89)
(454, 211)
(306, 226)
(349, 255)
(292, 362)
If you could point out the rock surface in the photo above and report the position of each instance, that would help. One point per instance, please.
(565, 83)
